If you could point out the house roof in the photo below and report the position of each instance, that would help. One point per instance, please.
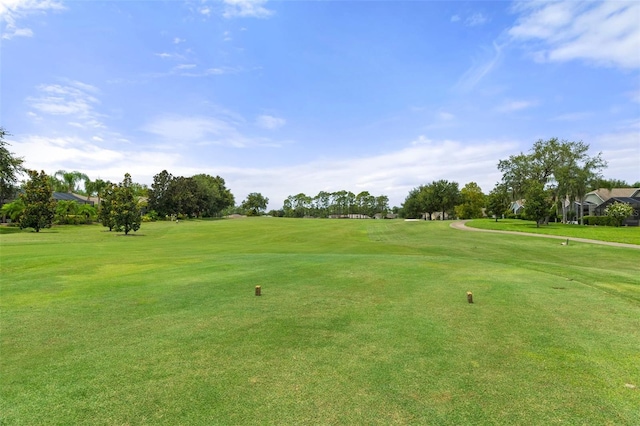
(633, 201)
(65, 196)
(604, 193)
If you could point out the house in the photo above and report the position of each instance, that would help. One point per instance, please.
(349, 216)
(595, 202)
(517, 206)
(385, 216)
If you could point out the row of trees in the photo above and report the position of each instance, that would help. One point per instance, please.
(10, 169)
(446, 198)
(551, 178)
(36, 208)
(325, 204)
(552, 172)
(201, 195)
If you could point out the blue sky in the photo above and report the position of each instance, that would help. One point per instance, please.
(302, 96)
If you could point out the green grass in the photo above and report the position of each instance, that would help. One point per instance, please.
(360, 322)
(628, 235)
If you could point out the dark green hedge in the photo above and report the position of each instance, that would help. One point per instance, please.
(598, 220)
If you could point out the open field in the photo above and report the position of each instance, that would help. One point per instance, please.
(360, 322)
(628, 235)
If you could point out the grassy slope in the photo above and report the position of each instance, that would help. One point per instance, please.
(629, 235)
(360, 322)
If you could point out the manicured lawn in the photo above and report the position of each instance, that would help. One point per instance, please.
(360, 322)
(628, 234)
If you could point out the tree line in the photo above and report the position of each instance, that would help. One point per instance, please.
(339, 203)
(201, 195)
(550, 178)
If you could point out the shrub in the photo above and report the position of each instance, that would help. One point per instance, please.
(598, 220)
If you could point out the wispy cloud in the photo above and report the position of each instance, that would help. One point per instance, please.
(473, 20)
(171, 56)
(600, 33)
(445, 116)
(74, 99)
(270, 122)
(246, 9)
(476, 19)
(12, 11)
(221, 129)
(206, 72)
(512, 106)
(393, 174)
(573, 116)
(481, 68)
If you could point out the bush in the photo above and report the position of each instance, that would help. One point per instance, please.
(598, 220)
(150, 216)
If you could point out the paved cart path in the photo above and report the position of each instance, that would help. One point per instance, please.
(462, 225)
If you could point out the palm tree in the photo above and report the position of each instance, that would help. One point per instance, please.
(71, 179)
(88, 211)
(99, 186)
(89, 188)
(13, 210)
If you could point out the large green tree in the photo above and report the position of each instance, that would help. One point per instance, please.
(472, 200)
(537, 203)
(10, 169)
(39, 206)
(445, 195)
(255, 204)
(124, 210)
(564, 168)
(498, 201)
(212, 195)
(159, 195)
(105, 209)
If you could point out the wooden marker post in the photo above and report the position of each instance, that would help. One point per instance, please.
(258, 290)
(469, 297)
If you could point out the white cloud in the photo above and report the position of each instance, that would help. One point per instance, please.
(178, 40)
(482, 67)
(11, 11)
(75, 153)
(172, 56)
(224, 129)
(512, 106)
(205, 11)
(621, 150)
(209, 72)
(455, 18)
(600, 33)
(246, 9)
(56, 99)
(475, 20)
(270, 122)
(573, 116)
(393, 174)
(446, 116)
